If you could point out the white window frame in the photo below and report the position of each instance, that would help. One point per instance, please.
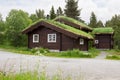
(96, 41)
(53, 38)
(81, 41)
(35, 41)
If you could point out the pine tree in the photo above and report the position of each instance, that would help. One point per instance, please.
(52, 13)
(100, 24)
(71, 9)
(93, 20)
(59, 11)
(40, 14)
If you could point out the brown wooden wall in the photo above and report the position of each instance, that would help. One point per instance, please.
(63, 42)
(105, 41)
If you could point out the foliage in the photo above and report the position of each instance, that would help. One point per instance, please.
(75, 53)
(71, 9)
(94, 51)
(74, 21)
(59, 12)
(16, 21)
(115, 24)
(93, 20)
(33, 17)
(107, 30)
(2, 30)
(52, 13)
(35, 75)
(39, 51)
(40, 14)
(114, 57)
(100, 24)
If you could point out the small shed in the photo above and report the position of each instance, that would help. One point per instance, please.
(103, 38)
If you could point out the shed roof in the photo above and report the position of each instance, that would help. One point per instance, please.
(82, 25)
(107, 30)
(65, 29)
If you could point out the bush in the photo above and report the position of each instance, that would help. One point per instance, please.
(39, 51)
(116, 57)
(94, 52)
(75, 53)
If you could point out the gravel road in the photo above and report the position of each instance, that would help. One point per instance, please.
(78, 69)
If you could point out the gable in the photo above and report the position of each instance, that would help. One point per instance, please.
(62, 28)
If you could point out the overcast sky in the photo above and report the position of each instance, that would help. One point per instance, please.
(104, 9)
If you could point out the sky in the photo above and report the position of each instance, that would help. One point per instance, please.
(103, 9)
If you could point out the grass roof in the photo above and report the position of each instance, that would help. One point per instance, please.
(74, 21)
(65, 27)
(107, 30)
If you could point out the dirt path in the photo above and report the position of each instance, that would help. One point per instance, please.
(102, 55)
(78, 69)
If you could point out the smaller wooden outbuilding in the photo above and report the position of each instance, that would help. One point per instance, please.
(103, 38)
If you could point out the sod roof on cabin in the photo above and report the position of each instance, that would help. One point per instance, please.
(103, 31)
(64, 27)
(74, 21)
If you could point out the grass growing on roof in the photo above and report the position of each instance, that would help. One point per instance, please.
(103, 31)
(71, 29)
(74, 21)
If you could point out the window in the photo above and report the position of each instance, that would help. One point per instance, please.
(51, 37)
(96, 41)
(81, 41)
(35, 38)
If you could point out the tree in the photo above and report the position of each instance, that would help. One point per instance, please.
(93, 20)
(115, 24)
(40, 14)
(59, 11)
(71, 9)
(100, 24)
(33, 17)
(2, 30)
(17, 20)
(52, 13)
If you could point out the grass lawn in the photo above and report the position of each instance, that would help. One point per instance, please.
(113, 54)
(75, 53)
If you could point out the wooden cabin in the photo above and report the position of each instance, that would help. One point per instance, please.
(56, 36)
(103, 38)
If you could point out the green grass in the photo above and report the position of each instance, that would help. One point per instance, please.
(65, 27)
(35, 75)
(75, 53)
(21, 50)
(74, 21)
(113, 54)
(107, 30)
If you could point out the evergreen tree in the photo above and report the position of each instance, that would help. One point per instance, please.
(40, 14)
(115, 24)
(93, 20)
(100, 24)
(59, 11)
(71, 9)
(52, 13)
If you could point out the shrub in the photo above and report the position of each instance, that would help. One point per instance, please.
(94, 52)
(116, 57)
(75, 53)
(39, 50)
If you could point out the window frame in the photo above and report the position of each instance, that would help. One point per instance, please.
(35, 41)
(96, 41)
(81, 41)
(53, 40)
